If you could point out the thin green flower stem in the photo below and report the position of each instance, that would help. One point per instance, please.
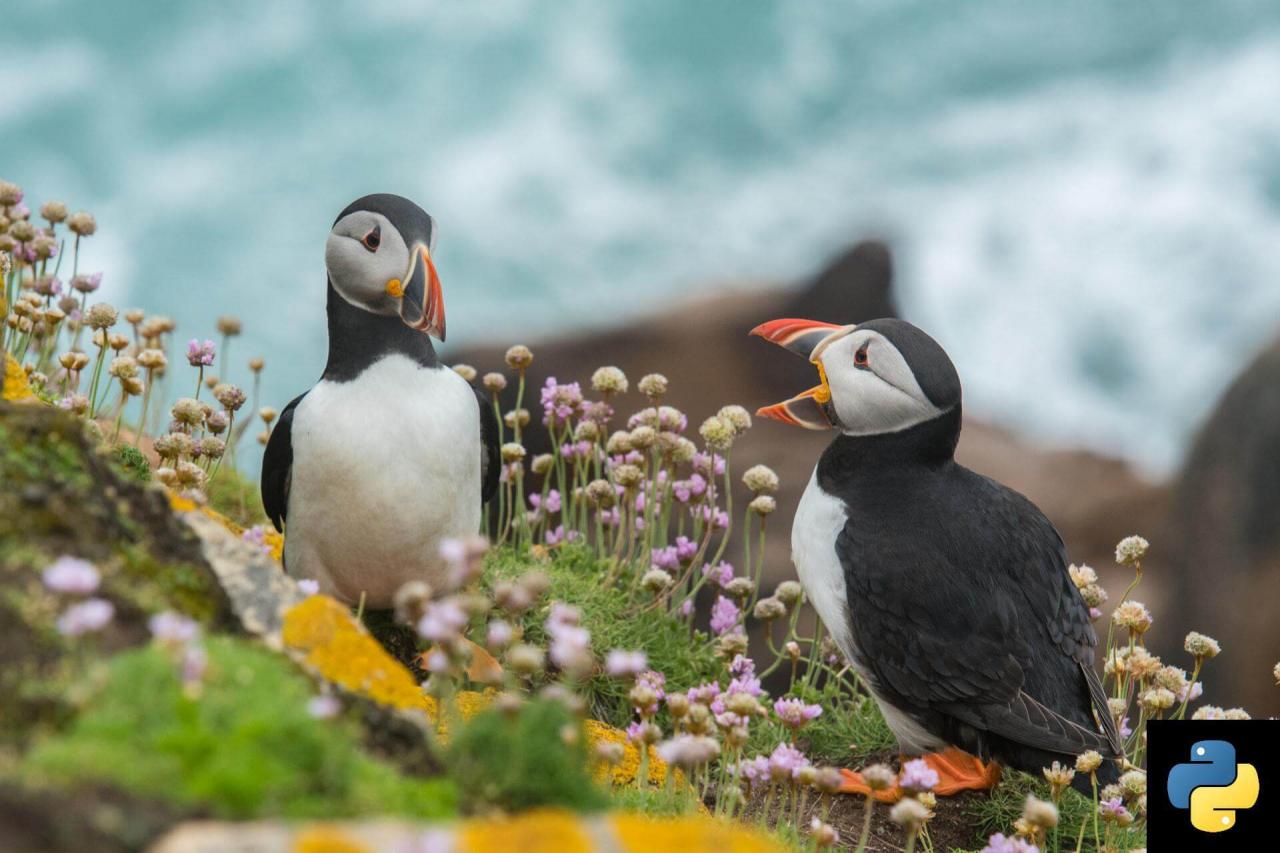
(1195, 675)
(97, 371)
(865, 835)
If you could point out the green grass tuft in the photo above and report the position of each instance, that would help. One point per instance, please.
(535, 758)
(133, 463)
(616, 621)
(997, 813)
(246, 747)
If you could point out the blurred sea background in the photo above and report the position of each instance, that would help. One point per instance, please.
(1083, 199)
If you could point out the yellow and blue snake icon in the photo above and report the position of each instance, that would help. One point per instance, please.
(1213, 786)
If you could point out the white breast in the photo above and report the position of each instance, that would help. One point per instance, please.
(385, 467)
(819, 519)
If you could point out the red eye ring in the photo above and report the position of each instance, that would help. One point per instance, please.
(860, 357)
(373, 239)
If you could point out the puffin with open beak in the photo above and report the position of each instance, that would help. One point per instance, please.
(947, 592)
(391, 453)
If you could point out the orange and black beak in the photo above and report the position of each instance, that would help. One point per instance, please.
(810, 409)
(421, 300)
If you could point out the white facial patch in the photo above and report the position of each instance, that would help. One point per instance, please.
(881, 397)
(359, 275)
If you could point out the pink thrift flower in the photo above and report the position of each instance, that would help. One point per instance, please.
(918, 776)
(795, 713)
(724, 615)
(71, 575)
(324, 707)
(624, 664)
(200, 354)
(86, 617)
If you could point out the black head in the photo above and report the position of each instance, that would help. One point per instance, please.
(378, 256)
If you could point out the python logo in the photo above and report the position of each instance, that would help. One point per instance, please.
(1213, 786)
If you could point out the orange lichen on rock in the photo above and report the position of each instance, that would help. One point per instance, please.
(327, 839)
(539, 831)
(625, 770)
(640, 834)
(271, 538)
(339, 648)
(16, 386)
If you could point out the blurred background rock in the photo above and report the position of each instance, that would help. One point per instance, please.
(1080, 201)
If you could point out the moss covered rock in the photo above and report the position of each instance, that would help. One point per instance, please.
(242, 745)
(61, 494)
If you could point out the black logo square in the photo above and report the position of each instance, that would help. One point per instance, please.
(1212, 784)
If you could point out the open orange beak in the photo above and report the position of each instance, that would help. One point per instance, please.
(810, 409)
(422, 302)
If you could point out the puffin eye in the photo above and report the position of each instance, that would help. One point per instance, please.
(860, 357)
(373, 239)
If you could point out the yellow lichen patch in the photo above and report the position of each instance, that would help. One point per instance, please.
(641, 834)
(342, 651)
(532, 832)
(273, 540)
(16, 386)
(327, 839)
(625, 770)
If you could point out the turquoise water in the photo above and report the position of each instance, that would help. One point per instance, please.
(1085, 196)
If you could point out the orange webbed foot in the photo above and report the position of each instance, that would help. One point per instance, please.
(957, 771)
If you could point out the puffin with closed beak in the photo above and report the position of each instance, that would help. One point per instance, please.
(391, 453)
(947, 592)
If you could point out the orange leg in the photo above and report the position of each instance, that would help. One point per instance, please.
(957, 771)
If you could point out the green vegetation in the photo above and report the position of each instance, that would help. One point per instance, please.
(245, 746)
(616, 620)
(523, 758)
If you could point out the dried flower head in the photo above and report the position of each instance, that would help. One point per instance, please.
(1201, 647)
(512, 452)
(53, 212)
(760, 479)
(231, 397)
(1156, 699)
(824, 835)
(1131, 549)
(608, 381)
(466, 371)
(1088, 762)
(717, 432)
(82, 223)
(519, 357)
(656, 580)
(1058, 777)
(762, 505)
(737, 417)
(268, 414)
(789, 592)
(768, 609)
(909, 813)
(101, 316)
(628, 476)
(1040, 813)
(494, 382)
(653, 385)
(10, 194)
(1082, 576)
(879, 777)
(1133, 616)
(187, 411)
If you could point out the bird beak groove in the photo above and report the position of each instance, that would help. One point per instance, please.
(810, 409)
(422, 301)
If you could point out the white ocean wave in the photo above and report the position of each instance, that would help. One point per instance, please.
(1085, 201)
